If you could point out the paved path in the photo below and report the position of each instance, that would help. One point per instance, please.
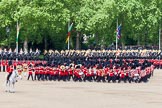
(34, 94)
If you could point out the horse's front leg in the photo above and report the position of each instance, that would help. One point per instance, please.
(12, 90)
(7, 86)
(10, 87)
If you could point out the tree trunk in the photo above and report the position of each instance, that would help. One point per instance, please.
(123, 45)
(45, 43)
(96, 41)
(26, 44)
(77, 41)
(97, 38)
(138, 42)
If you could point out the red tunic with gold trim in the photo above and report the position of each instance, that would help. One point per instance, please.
(122, 75)
(14, 63)
(41, 69)
(9, 69)
(76, 73)
(111, 73)
(3, 62)
(56, 71)
(70, 71)
(36, 69)
(52, 71)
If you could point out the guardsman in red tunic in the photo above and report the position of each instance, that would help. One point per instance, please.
(143, 75)
(33, 63)
(3, 65)
(48, 72)
(148, 72)
(94, 72)
(111, 76)
(98, 75)
(85, 71)
(30, 72)
(77, 74)
(43, 72)
(56, 74)
(46, 68)
(88, 75)
(66, 73)
(122, 75)
(61, 72)
(6, 64)
(135, 74)
(155, 63)
(130, 74)
(36, 71)
(91, 74)
(9, 71)
(126, 72)
(52, 73)
(70, 71)
(101, 75)
(106, 70)
(14, 64)
(41, 69)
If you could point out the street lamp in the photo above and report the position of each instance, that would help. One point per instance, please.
(8, 34)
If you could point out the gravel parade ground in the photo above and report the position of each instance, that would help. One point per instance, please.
(54, 94)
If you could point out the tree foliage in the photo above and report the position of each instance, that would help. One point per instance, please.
(46, 21)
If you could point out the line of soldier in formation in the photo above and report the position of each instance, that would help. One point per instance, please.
(124, 54)
(21, 55)
(51, 55)
(101, 57)
(132, 71)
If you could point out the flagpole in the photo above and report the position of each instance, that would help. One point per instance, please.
(17, 45)
(159, 40)
(116, 35)
(159, 37)
(68, 44)
(68, 38)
